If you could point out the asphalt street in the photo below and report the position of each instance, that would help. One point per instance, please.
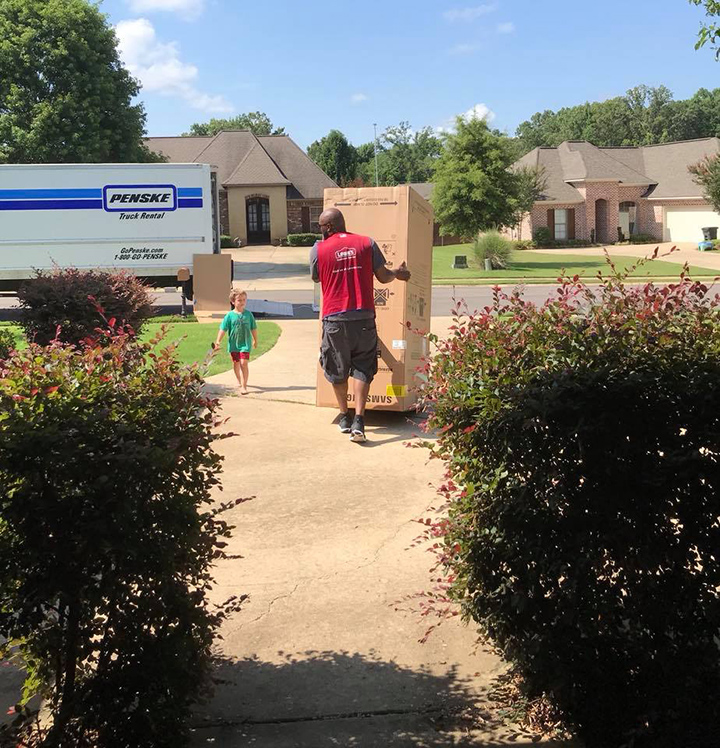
(444, 299)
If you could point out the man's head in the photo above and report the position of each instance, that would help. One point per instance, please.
(331, 221)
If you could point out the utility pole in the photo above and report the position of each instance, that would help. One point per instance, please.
(375, 144)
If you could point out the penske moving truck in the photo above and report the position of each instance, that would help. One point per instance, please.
(148, 218)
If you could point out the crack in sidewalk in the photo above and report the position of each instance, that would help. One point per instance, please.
(272, 602)
(364, 714)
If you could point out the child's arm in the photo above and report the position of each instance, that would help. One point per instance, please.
(253, 329)
(216, 344)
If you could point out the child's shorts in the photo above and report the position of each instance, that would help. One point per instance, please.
(239, 355)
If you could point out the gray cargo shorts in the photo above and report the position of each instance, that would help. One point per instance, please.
(349, 349)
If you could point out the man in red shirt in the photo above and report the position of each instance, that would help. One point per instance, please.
(344, 264)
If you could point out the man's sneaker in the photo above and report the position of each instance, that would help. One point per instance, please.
(345, 423)
(357, 431)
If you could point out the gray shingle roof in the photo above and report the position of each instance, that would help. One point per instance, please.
(179, 150)
(667, 164)
(242, 159)
(556, 189)
(256, 167)
(582, 161)
(663, 168)
(307, 177)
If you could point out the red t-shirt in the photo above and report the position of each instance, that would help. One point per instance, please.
(345, 269)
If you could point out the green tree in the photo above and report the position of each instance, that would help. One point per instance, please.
(531, 182)
(257, 122)
(475, 190)
(707, 175)
(335, 156)
(408, 156)
(64, 94)
(404, 155)
(645, 115)
(709, 32)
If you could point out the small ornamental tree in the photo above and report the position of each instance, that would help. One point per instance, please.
(582, 440)
(70, 304)
(706, 173)
(475, 189)
(107, 541)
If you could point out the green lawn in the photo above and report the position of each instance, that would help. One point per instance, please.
(193, 339)
(535, 268)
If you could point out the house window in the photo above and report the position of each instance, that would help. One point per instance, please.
(315, 212)
(561, 224)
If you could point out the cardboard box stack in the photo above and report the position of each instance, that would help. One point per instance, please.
(401, 222)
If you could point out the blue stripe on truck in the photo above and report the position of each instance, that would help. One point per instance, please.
(190, 203)
(51, 204)
(46, 194)
(190, 191)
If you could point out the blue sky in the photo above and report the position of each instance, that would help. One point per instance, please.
(314, 66)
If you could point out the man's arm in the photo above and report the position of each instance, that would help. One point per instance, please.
(385, 275)
(382, 272)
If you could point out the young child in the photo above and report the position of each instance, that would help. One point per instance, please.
(241, 328)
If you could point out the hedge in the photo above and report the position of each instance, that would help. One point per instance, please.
(303, 240)
(582, 440)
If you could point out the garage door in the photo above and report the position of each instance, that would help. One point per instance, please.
(686, 224)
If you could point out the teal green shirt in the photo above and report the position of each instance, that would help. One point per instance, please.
(238, 328)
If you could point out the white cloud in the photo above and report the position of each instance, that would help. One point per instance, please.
(187, 9)
(479, 111)
(358, 98)
(506, 28)
(467, 15)
(464, 49)
(159, 68)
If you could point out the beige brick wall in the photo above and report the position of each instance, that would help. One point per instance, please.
(278, 210)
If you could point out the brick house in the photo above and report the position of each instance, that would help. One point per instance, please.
(593, 193)
(268, 186)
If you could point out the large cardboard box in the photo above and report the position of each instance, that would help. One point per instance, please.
(401, 222)
(212, 281)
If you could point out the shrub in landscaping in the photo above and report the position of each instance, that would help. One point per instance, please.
(71, 304)
(521, 244)
(494, 247)
(7, 343)
(107, 541)
(303, 240)
(542, 236)
(228, 242)
(642, 239)
(582, 440)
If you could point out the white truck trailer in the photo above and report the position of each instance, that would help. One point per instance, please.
(148, 218)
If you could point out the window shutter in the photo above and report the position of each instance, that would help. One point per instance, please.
(571, 223)
(551, 222)
(305, 213)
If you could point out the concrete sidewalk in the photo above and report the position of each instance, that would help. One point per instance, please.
(326, 651)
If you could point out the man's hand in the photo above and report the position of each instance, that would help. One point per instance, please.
(402, 273)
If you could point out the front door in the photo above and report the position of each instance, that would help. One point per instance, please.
(258, 220)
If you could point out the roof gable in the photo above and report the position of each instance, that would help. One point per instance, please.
(243, 159)
(663, 168)
(307, 177)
